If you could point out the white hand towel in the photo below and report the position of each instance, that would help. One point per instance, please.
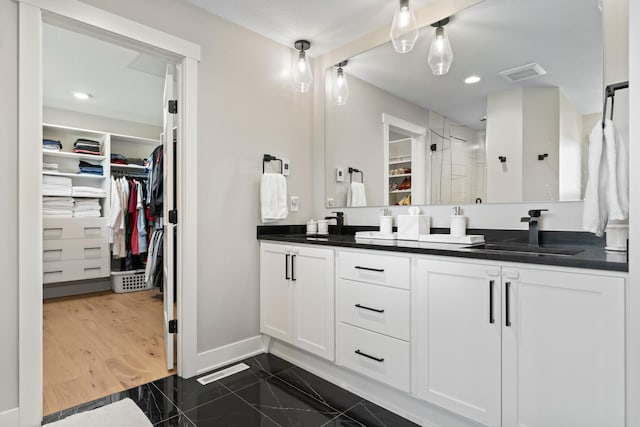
(273, 197)
(61, 181)
(356, 196)
(607, 193)
(618, 168)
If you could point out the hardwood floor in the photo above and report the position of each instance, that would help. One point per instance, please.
(99, 344)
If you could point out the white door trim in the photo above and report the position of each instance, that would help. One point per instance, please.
(29, 185)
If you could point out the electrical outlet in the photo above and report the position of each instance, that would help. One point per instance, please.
(294, 203)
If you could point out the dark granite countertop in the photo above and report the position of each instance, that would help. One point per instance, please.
(592, 253)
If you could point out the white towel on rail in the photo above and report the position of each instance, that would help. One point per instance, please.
(356, 195)
(273, 197)
(607, 193)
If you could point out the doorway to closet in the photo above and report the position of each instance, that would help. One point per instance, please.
(108, 202)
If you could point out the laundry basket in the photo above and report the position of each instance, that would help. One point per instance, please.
(128, 281)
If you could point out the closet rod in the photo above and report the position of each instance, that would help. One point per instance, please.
(610, 92)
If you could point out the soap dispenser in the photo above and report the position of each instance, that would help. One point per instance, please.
(386, 222)
(458, 223)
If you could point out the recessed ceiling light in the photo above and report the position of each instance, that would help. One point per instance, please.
(472, 79)
(82, 95)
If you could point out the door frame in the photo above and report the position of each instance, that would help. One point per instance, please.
(30, 348)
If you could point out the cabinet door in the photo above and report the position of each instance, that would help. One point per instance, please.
(312, 278)
(275, 292)
(563, 355)
(456, 338)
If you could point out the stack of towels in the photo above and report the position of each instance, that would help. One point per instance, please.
(56, 185)
(90, 168)
(80, 191)
(51, 145)
(50, 167)
(84, 208)
(87, 146)
(57, 207)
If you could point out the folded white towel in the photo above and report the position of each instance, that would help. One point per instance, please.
(356, 195)
(607, 193)
(91, 191)
(62, 181)
(273, 197)
(86, 214)
(56, 191)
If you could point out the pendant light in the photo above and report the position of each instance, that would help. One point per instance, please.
(404, 30)
(301, 68)
(340, 86)
(440, 53)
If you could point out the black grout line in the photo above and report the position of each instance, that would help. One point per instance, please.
(250, 405)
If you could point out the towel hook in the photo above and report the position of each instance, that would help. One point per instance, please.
(610, 92)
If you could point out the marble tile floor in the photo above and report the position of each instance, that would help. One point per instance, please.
(272, 392)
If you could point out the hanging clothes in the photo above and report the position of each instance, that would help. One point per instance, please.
(156, 186)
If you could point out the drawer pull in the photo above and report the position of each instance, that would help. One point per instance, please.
(53, 271)
(369, 308)
(379, 270)
(91, 268)
(377, 359)
(507, 310)
(293, 268)
(491, 318)
(286, 267)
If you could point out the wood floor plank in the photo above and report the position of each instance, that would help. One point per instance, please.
(99, 344)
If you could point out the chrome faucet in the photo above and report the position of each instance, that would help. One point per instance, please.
(533, 219)
(339, 221)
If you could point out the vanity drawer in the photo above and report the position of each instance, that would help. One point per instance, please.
(377, 308)
(74, 228)
(374, 355)
(388, 270)
(78, 269)
(67, 249)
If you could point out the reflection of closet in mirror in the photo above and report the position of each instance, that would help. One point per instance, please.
(456, 162)
(404, 165)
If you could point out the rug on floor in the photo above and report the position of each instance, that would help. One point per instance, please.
(124, 413)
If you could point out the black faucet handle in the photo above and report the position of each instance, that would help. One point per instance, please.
(535, 213)
(338, 213)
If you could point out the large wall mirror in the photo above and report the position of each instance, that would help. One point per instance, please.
(518, 134)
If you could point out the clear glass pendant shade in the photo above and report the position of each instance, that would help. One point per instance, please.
(440, 54)
(301, 72)
(340, 87)
(404, 30)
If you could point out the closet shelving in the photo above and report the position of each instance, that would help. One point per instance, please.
(76, 249)
(399, 170)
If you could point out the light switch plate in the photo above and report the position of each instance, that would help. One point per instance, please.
(294, 204)
(286, 167)
(339, 174)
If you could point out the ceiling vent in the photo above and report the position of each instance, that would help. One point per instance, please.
(523, 72)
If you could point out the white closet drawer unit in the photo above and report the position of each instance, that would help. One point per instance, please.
(74, 228)
(374, 355)
(68, 249)
(377, 308)
(78, 269)
(388, 270)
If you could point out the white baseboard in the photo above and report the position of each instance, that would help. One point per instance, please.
(217, 357)
(10, 417)
(399, 402)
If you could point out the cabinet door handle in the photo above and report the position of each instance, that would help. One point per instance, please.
(491, 319)
(377, 359)
(91, 268)
(293, 268)
(369, 308)
(286, 267)
(379, 270)
(507, 286)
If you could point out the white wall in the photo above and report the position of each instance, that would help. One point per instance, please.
(9, 213)
(570, 152)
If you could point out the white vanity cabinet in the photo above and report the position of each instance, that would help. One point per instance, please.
(373, 321)
(531, 346)
(297, 296)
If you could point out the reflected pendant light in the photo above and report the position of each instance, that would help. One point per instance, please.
(440, 53)
(404, 29)
(340, 86)
(301, 68)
